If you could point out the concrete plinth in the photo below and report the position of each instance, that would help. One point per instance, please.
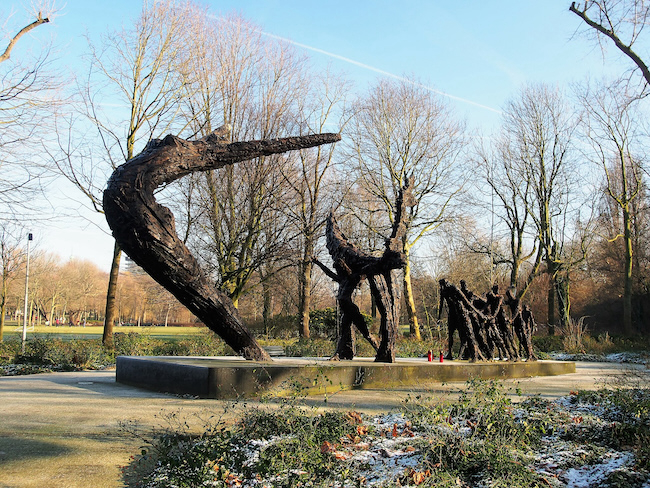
(228, 377)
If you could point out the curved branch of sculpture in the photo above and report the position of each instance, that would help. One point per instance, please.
(145, 230)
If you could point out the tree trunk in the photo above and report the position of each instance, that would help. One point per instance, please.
(3, 308)
(304, 304)
(146, 231)
(267, 306)
(551, 305)
(627, 284)
(564, 300)
(409, 301)
(111, 305)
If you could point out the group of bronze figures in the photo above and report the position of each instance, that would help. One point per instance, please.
(489, 327)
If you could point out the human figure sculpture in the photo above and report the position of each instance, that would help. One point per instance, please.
(351, 266)
(484, 330)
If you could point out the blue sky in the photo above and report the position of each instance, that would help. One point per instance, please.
(477, 52)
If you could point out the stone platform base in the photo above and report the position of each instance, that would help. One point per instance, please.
(228, 377)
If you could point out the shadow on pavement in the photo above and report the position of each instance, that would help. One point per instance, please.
(20, 448)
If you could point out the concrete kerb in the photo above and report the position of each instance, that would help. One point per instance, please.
(229, 378)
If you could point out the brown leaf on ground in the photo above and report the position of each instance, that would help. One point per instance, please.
(327, 447)
(355, 417)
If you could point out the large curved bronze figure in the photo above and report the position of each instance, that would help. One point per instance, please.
(145, 230)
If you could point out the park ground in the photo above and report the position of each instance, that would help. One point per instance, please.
(77, 429)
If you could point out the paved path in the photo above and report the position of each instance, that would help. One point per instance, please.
(67, 429)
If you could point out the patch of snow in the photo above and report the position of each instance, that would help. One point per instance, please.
(618, 357)
(595, 474)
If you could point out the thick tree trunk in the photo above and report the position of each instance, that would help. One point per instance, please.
(304, 280)
(551, 306)
(564, 299)
(267, 306)
(627, 284)
(111, 302)
(3, 310)
(145, 230)
(409, 301)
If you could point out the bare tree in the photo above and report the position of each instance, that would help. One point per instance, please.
(312, 180)
(510, 201)
(402, 130)
(541, 126)
(252, 86)
(612, 130)
(622, 22)
(28, 97)
(142, 70)
(12, 258)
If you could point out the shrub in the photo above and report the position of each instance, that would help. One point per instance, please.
(412, 348)
(628, 414)
(573, 333)
(283, 326)
(66, 355)
(134, 344)
(323, 322)
(311, 348)
(205, 343)
(9, 350)
(177, 459)
(548, 343)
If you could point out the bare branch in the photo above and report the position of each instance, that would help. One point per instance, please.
(7, 52)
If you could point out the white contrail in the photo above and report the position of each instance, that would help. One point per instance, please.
(380, 71)
(366, 66)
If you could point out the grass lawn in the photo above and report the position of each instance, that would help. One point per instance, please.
(95, 331)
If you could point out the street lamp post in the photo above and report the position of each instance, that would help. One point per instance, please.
(24, 337)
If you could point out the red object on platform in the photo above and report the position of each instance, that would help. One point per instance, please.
(430, 356)
(441, 359)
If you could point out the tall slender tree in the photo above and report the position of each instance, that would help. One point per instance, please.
(541, 126)
(510, 201)
(250, 85)
(312, 178)
(143, 69)
(612, 128)
(401, 130)
(12, 258)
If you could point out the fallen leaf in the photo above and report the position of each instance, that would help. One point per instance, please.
(355, 417)
(327, 447)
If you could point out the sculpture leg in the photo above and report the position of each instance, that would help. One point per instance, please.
(387, 298)
(345, 346)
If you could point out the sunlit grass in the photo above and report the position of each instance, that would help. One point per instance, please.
(98, 330)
